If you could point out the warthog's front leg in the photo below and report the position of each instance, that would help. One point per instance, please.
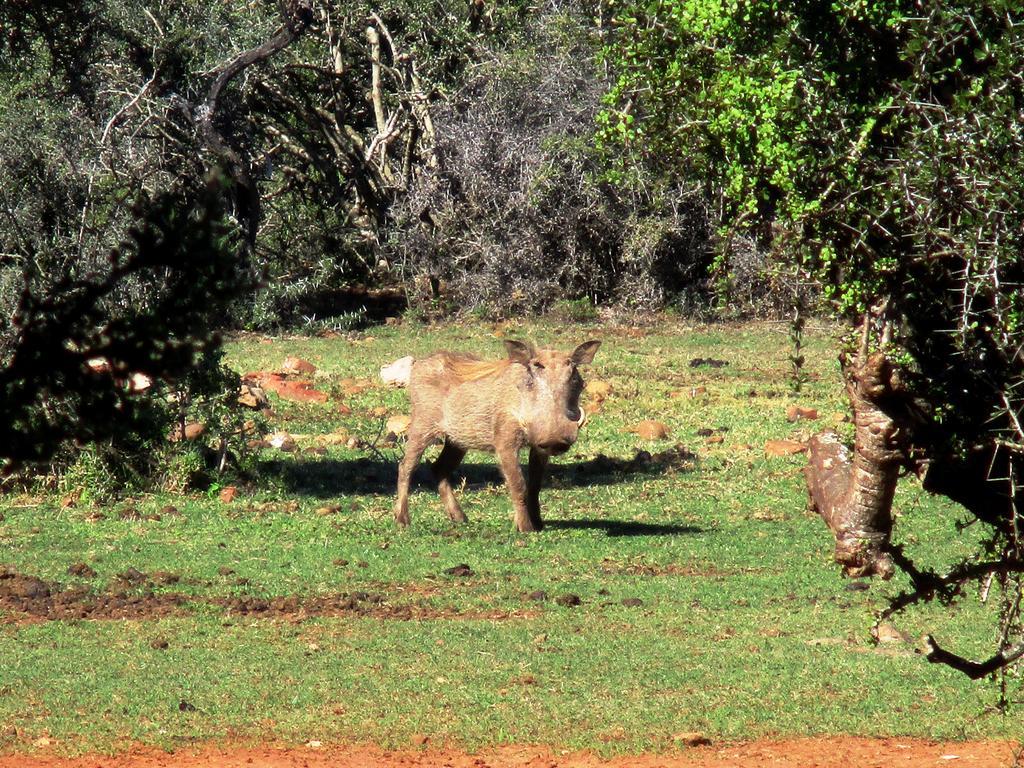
(414, 448)
(535, 479)
(450, 458)
(508, 460)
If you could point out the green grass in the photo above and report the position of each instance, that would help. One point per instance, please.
(745, 629)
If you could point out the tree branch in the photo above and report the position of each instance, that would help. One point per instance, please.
(296, 19)
(973, 669)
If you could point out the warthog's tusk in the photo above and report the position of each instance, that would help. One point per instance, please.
(583, 418)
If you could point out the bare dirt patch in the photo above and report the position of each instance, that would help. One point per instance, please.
(131, 595)
(825, 752)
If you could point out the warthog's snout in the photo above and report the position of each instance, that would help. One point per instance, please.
(562, 442)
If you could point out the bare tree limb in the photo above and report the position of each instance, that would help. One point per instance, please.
(973, 669)
(296, 18)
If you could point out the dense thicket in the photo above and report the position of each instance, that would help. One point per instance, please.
(118, 259)
(877, 147)
(518, 211)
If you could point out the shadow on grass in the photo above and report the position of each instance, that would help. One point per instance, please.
(622, 527)
(326, 478)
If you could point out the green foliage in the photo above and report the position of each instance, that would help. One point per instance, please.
(574, 311)
(878, 147)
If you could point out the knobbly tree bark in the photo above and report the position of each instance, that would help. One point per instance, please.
(853, 493)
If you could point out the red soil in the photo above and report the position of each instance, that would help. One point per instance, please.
(831, 752)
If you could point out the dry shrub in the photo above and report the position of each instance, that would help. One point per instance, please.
(520, 210)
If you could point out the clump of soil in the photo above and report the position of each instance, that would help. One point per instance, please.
(32, 598)
(130, 595)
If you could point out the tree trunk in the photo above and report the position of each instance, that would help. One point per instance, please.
(853, 493)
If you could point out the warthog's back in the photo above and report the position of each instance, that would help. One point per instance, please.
(460, 397)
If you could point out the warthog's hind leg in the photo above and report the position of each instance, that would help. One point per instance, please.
(414, 448)
(450, 458)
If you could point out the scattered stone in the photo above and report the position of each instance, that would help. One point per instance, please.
(715, 440)
(783, 447)
(886, 632)
(397, 374)
(341, 562)
(296, 366)
(164, 577)
(698, 391)
(252, 396)
(650, 430)
(857, 586)
(139, 382)
(459, 570)
(186, 706)
(354, 386)
(691, 739)
(398, 425)
(228, 494)
(344, 410)
(299, 390)
(282, 441)
(569, 600)
(797, 413)
(192, 431)
(159, 644)
(338, 437)
(598, 390)
(707, 362)
(632, 602)
(326, 511)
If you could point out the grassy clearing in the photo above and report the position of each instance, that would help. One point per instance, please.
(743, 628)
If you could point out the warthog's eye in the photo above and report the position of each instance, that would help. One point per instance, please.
(537, 366)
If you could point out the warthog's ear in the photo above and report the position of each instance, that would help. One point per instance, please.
(584, 353)
(518, 352)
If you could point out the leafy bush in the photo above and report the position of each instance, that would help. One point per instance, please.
(877, 147)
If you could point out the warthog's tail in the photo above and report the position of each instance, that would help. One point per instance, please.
(397, 373)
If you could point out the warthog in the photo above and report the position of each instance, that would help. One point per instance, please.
(531, 398)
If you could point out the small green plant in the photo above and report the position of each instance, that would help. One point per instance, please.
(574, 310)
